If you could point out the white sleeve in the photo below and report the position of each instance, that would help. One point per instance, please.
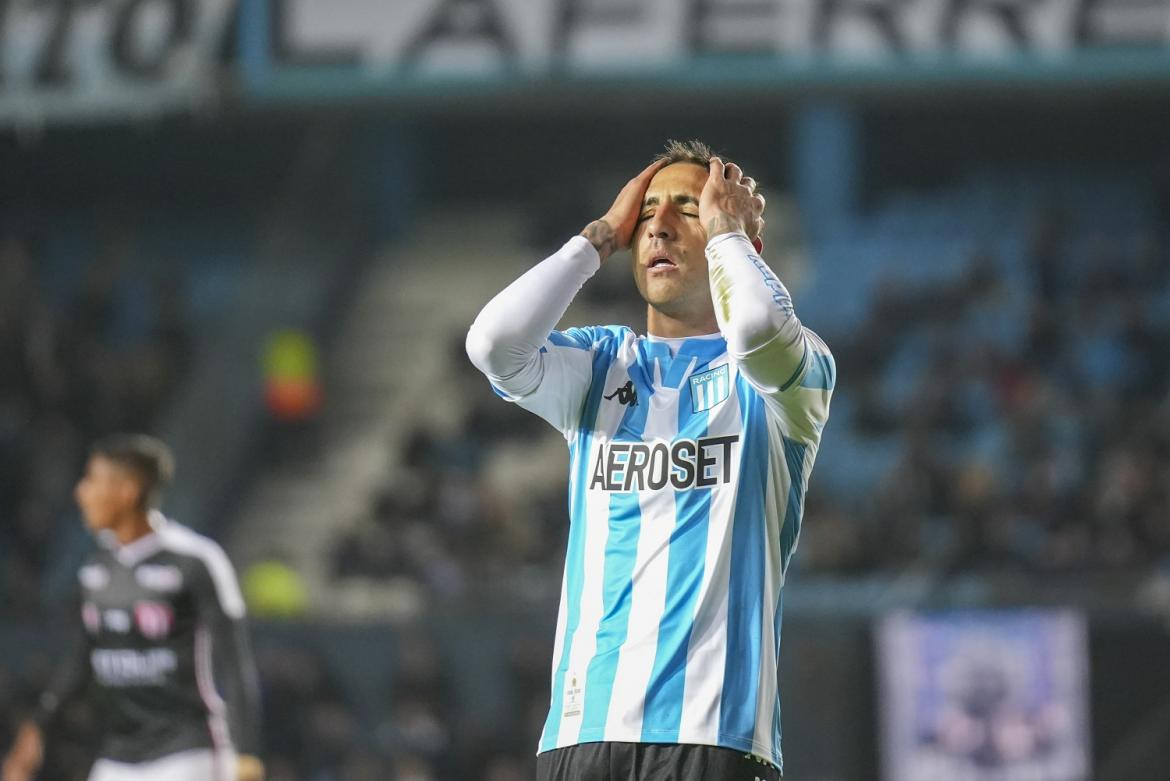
(513, 343)
(786, 362)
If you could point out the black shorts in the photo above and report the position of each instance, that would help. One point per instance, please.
(651, 762)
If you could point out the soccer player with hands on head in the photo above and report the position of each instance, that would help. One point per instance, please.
(690, 452)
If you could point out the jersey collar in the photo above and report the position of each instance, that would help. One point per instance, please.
(676, 343)
(673, 358)
(142, 548)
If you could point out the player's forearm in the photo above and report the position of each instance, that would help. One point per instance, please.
(239, 682)
(241, 686)
(752, 306)
(603, 237)
(69, 680)
(507, 335)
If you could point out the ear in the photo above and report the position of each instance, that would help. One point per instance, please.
(758, 243)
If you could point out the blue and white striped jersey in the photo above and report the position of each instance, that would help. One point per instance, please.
(686, 491)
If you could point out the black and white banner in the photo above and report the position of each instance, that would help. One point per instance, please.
(83, 59)
(80, 59)
(602, 35)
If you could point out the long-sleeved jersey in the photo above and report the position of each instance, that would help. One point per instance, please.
(163, 650)
(689, 463)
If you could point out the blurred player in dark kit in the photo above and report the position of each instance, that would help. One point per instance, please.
(161, 615)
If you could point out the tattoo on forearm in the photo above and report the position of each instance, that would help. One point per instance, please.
(722, 223)
(601, 236)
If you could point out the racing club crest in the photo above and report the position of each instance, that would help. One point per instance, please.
(709, 388)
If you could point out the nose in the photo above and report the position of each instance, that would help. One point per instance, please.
(662, 225)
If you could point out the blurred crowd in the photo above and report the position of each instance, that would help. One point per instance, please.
(438, 522)
(1027, 411)
(1019, 410)
(417, 730)
(88, 347)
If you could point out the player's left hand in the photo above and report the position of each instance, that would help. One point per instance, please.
(727, 203)
(249, 768)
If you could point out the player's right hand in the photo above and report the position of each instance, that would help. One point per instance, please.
(615, 230)
(26, 755)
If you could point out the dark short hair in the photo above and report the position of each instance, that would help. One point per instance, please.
(147, 458)
(692, 151)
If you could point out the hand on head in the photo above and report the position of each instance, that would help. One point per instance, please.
(627, 207)
(615, 229)
(729, 202)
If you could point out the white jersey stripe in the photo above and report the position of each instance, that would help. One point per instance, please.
(182, 540)
(707, 652)
(584, 638)
(648, 596)
(592, 600)
(766, 701)
(625, 534)
(581, 448)
(205, 682)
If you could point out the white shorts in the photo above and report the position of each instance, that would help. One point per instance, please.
(197, 765)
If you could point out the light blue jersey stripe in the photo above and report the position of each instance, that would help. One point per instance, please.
(794, 455)
(662, 715)
(574, 558)
(741, 672)
(822, 372)
(561, 339)
(779, 758)
(621, 549)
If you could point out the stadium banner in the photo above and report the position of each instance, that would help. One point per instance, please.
(984, 696)
(344, 47)
(63, 60)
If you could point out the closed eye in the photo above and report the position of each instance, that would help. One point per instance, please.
(645, 217)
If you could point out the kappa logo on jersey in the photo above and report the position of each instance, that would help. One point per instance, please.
(159, 577)
(94, 577)
(709, 388)
(626, 395)
(154, 619)
(683, 464)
